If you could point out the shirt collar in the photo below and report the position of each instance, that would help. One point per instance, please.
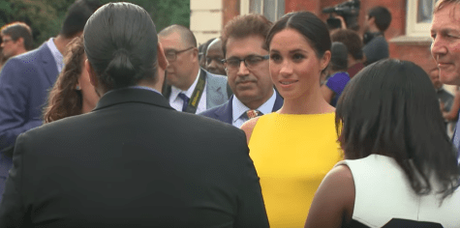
(238, 108)
(135, 87)
(175, 91)
(57, 55)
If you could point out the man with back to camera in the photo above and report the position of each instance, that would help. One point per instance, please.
(445, 48)
(133, 161)
(247, 69)
(377, 21)
(189, 88)
(25, 80)
(16, 39)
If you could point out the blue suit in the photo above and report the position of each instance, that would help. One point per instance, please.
(224, 111)
(24, 83)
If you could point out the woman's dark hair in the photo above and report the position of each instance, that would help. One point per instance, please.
(309, 25)
(390, 108)
(64, 100)
(121, 45)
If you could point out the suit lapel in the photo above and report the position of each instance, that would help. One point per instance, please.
(213, 92)
(224, 112)
(278, 102)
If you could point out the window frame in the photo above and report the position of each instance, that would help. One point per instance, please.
(244, 8)
(413, 28)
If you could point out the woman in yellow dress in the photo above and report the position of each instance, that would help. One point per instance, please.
(295, 147)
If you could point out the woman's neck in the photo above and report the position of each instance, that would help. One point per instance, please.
(312, 102)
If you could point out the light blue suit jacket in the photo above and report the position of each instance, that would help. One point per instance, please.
(216, 90)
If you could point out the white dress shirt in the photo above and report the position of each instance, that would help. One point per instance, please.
(57, 55)
(176, 102)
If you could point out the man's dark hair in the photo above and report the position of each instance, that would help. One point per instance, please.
(77, 15)
(382, 17)
(351, 39)
(185, 33)
(121, 45)
(17, 30)
(245, 26)
(390, 108)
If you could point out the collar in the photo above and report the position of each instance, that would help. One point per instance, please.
(132, 95)
(175, 91)
(57, 55)
(136, 87)
(239, 108)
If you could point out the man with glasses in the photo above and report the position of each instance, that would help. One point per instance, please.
(16, 39)
(246, 63)
(188, 87)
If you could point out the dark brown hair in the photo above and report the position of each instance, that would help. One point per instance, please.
(244, 26)
(351, 39)
(313, 29)
(121, 45)
(64, 100)
(17, 30)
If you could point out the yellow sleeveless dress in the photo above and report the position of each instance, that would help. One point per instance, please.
(292, 154)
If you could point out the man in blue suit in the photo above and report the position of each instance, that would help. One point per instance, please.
(189, 88)
(26, 78)
(248, 75)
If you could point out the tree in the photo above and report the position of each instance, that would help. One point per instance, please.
(45, 17)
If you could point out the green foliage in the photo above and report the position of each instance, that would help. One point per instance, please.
(45, 17)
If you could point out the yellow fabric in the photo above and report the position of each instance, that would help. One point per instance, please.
(292, 154)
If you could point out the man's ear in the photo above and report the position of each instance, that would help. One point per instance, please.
(21, 40)
(371, 21)
(91, 73)
(161, 58)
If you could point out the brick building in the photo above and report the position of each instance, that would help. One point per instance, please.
(408, 35)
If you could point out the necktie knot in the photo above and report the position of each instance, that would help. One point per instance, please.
(185, 99)
(253, 113)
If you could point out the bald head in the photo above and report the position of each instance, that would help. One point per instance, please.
(186, 35)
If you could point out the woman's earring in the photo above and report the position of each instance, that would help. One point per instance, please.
(77, 87)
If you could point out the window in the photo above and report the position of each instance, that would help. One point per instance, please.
(271, 9)
(419, 16)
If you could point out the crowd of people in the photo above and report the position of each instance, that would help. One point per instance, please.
(273, 124)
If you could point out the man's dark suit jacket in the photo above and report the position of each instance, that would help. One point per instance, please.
(133, 162)
(224, 111)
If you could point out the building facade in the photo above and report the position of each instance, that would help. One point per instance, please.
(408, 34)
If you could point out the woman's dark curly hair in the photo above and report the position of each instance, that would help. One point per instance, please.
(64, 99)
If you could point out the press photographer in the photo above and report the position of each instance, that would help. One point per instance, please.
(349, 11)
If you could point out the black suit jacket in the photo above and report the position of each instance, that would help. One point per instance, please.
(133, 162)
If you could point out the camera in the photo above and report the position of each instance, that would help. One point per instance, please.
(348, 10)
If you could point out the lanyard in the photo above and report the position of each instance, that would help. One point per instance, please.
(196, 95)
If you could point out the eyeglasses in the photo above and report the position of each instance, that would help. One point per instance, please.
(171, 55)
(249, 61)
(209, 60)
